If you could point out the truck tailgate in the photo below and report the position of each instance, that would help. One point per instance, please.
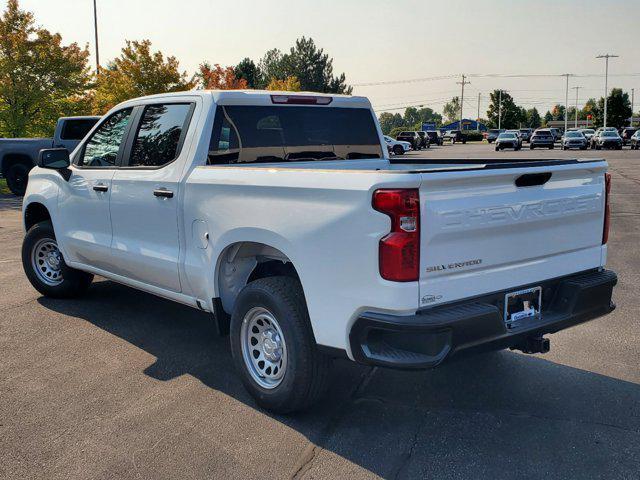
(490, 229)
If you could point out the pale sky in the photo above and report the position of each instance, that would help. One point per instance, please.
(380, 41)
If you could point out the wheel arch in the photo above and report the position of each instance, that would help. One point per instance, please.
(35, 212)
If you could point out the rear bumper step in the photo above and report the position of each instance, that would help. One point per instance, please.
(436, 334)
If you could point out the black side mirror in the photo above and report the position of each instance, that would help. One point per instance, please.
(54, 158)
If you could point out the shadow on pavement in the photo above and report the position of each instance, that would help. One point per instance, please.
(499, 415)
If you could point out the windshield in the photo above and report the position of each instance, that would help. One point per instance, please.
(543, 133)
(251, 134)
(589, 131)
(573, 135)
(507, 135)
(609, 133)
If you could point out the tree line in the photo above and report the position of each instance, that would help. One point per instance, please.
(512, 115)
(42, 79)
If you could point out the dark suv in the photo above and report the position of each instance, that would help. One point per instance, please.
(454, 136)
(425, 141)
(626, 133)
(542, 138)
(412, 137)
(435, 137)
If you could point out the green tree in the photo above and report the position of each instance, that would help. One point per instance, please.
(417, 116)
(591, 108)
(40, 79)
(388, 121)
(533, 118)
(309, 64)
(618, 108)
(558, 112)
(510, 113)
(136, 72)
(548, 117)
(250, 72)
(451, 110)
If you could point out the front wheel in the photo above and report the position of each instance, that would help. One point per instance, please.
(45, 267)
(398, 150)
(273, 347)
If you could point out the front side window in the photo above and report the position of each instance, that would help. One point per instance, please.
(250, 134)
(158, 138)
(77, 129)
(102, 148)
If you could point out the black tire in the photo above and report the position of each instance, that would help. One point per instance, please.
(551, 147)
(497, 149)
(74, 282)
(531, 147)
(517, 148)
(398, 150)
(307, 372)
(17, 178)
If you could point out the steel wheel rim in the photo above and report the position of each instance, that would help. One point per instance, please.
(264, 349)
(46, 261)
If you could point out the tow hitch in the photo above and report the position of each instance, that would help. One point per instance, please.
(533, 345)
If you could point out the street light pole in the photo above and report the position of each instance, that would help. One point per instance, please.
(499, 108)
(566, 102)
(606, 82)
(576, 89)
(95, 25)
(633, 93)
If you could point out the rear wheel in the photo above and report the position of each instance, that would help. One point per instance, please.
(273, 347)
(17, 178)
(551, 147)
(45, 267)
(398, 150)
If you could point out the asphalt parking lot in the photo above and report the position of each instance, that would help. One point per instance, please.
(121, 384)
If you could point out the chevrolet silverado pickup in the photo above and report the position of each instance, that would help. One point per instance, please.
(19, 155)
(282, 215)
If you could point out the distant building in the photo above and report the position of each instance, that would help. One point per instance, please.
(466, 125)
(570, 123)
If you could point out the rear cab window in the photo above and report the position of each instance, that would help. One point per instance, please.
(268, 134)
(77, 129)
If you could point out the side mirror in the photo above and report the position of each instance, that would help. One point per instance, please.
(54, 158)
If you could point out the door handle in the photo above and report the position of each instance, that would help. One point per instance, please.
(100, 188)
(163, 192)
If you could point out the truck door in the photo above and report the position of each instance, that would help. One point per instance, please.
(85, 224)
(144, 200)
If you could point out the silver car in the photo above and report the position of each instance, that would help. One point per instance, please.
(574, 139)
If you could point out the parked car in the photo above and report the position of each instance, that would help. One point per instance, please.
(626, 133)
(396, 147)
(454, 136)
(425, 141)
(225, 201)
(517, 134)
(574, 139)
(588, 133)
(557, 134)
(435, 137)
(542, 138)
(607, 139)
(635, 141)
(508, 140)
(19, 155)
(412, 137)
(526, 133)
(492, 134)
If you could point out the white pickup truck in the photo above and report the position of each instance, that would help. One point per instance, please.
(282, 216)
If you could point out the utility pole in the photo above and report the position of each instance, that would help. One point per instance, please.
(606, 82)
(95, 25)
(633, 93)
(478, 117)
(463, 83)
(499, 109)
(576, 89)
(566, 102)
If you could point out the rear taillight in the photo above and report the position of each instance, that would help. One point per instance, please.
(607, 208)
(399, 251)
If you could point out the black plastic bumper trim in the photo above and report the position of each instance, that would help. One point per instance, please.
(434, 335)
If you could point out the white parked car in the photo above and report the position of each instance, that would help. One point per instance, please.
(281, 215)
(574, 139)
(397, 147)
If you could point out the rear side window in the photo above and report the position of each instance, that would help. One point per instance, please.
(101, 150)
(159, 136)
(76, 129)
(250, 134)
